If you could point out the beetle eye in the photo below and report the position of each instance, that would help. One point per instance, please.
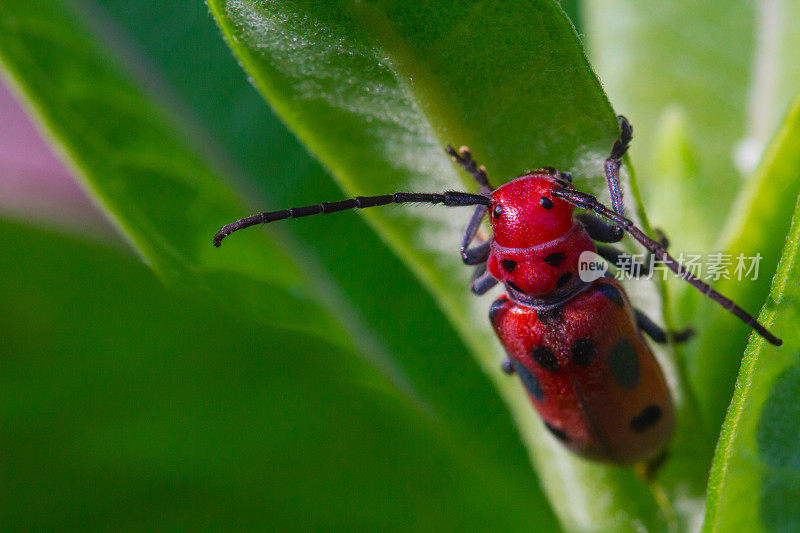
(546, 202)
(497, 211)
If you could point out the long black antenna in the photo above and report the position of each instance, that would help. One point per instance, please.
(590, 203)
(449, 198)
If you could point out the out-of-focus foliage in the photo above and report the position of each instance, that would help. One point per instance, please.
(755, 480)
(323, 373)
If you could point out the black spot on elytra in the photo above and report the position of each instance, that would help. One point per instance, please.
(563, 279)
(612, 293)
(624, 364)
(554, 259)
(545, 358)
(528, 379)
(495, 308)
(583, 351)
(560, 435)
(546, 202)
(647, 418)
(509, 265)
(550, 316)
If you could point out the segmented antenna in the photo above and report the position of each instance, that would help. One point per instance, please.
(590, 203)
(449, 198)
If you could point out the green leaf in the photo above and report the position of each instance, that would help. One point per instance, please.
(124, 405)
(667, 66)
(761, 220)
(141, 171)
(729, 67)
(169, 201)
(763, 216)
(755, 479)
(352, 270)
(377, 89)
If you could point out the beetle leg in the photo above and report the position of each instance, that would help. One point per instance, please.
(600, 230)
(480, 253)
(482, 280)
(606, 231)
(661, 239)
(590, 203)
(613, 163)
(660, 335)
(649, 469)
(507, 367)
(464, 158)
(476, 255)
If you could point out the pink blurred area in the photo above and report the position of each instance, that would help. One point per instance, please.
(35, 186)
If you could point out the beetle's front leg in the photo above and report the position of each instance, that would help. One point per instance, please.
(660, 335)
(600, 230)
(614, 161)
(482, 280)
(480, 253)
(464, 158)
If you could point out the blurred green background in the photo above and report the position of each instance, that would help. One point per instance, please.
(335, 373)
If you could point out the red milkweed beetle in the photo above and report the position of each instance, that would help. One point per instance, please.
(577, 346)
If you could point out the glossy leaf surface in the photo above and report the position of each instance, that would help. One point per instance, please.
(376, 94)
(756, 473)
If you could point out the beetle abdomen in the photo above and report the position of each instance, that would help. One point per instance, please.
(590, 374)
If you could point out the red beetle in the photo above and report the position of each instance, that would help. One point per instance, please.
(576, 345)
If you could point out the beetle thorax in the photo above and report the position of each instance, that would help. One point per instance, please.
(525, 213)
(537, 242)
